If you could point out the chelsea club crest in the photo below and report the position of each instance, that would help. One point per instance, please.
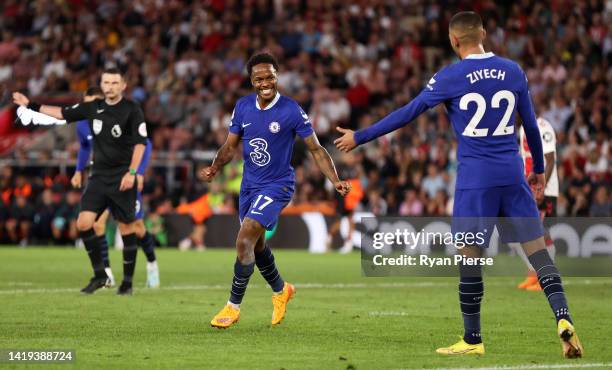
(274, 127)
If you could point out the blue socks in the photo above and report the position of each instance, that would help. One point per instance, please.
(550, 281)
(265, 263)
(148, 246)
(471, 291)
(242, 274)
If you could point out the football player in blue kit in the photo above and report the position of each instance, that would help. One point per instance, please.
(481, 93)
(266, 122)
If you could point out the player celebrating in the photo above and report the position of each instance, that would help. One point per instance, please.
(547, 205)
(267, 123)
(145, 240)
(120, 135)
(480, 94)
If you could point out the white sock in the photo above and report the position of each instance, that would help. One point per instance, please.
(152, 265)
(109, 272)
(552, 251)
(235, 306)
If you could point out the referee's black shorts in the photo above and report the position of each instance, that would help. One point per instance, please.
(101, 193)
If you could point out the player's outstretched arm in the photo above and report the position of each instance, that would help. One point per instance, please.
(49, 110)
(326, 164)
(397, 119)
(223, 157)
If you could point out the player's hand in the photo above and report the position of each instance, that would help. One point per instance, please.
(140, 182)
(537, 183)
(20, 99)
(127, 182)
(346, 142)
(77, 180)
(208, 174)
(343, 187)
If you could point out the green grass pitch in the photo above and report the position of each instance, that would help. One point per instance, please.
(337, 320)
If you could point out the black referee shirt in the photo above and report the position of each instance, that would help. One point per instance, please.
(115, 129)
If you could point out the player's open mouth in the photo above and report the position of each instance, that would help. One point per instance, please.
(266, 91)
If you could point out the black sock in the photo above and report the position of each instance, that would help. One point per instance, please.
(92, 246)
(550, 281)
(130, 248)
(104, 250)
(471, 291)
(148, 246)
(242, 274)
(265, 263)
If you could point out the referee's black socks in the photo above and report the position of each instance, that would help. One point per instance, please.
(130, 247)
(92, 245)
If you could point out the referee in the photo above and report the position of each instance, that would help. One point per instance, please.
(120, 135)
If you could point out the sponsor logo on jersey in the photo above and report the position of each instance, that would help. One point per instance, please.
(116, 131)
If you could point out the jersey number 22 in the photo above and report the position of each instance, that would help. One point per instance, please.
(481, 106)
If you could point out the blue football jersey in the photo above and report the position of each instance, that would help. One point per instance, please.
(481, 93)
(86, 144)
(268, 136)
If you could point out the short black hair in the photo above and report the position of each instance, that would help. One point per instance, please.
(261, 58)
(466, 21)
(467, 26)
(94, 91)
(113, 71)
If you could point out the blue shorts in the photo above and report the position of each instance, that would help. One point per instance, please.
(264, 204)
(139, 208)
(511, 208)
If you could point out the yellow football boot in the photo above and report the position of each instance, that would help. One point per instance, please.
(569, 340)
(280, 303)
(462, 348)
(226, 317)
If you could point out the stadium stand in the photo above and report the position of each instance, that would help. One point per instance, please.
(347, 65)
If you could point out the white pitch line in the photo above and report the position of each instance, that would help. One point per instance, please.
(395, 285)
(536, 366)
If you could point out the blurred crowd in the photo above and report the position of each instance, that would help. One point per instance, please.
(347, 64)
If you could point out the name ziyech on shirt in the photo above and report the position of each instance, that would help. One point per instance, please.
(481, 74)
